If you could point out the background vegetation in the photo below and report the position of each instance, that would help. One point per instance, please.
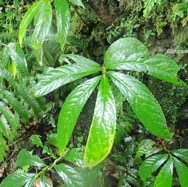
(31, 48)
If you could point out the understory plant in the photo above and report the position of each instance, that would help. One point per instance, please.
(124, 56)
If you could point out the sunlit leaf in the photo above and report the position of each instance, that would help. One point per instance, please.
(63, 20)
(123, 50)
(29, 15)
(43, 181)
(182, 171)
(20, 179)
(69, 175)
(142, 102)
(25, 158)
(128, 54)
(150, 165)
(75, 156)
(71, 110)
(181, 153)
(103, 127)
(43, 24)
(62, 75)
(164, 178)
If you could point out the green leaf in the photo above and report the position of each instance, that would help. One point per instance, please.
(3, 148)
(128, 53)
(63, 20)
(148, 5)
(103, 127)
(69, 175)
(44, 182)
(71, 110)
(16, 105)
(5, 130)
(143, 103)
(77, 2)
(164, 178)
(9, 116)
(27, 19)
(83, 61)
(25, 158)
(5, 74)
(161, 67)
(18, 180)
(26, 94)
(146, 148)
(181, 153)
(75, 156)
(150, 165)
(37, 141)
(122, 50)
(182, 171)
(63, 75)
(18, 57)
(43, 23)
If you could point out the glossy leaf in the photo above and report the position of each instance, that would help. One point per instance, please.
(150, 165)
(43, 24)
(44, 181)
(18, 58)
(83, 61)
(128, 53)
(181, 153)
(103, 127)
(29, 15)
(164, 178)
(65, 74)
(63, 20)
(75, 156)
(25, 158)
(71, 109)
(142, 102)
(182, 171)
(69, 175)
(77, 2)
(122, 50)
(20, 179)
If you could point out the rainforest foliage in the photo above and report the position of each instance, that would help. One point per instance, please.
(93, 93)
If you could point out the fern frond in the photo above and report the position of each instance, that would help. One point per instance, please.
(12, 119)
(5, 129)
(20, 109)
(3, 147)
(27, 96)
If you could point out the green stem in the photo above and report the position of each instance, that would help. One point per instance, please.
(104, 72)
(45, 169)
